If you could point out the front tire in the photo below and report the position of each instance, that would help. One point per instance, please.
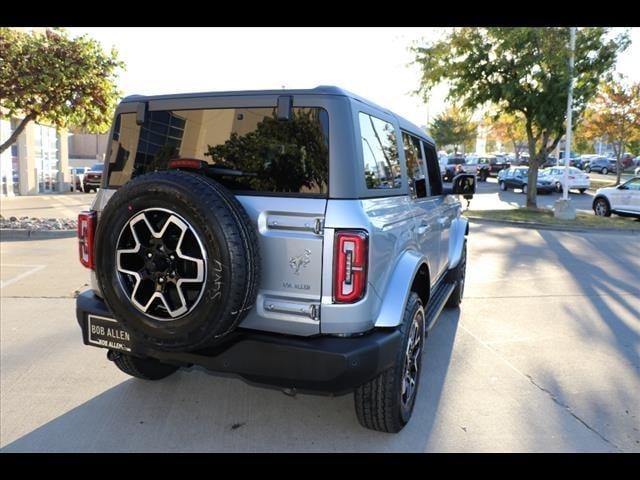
(143, 368)
(524, 189)
(386, 403)
(602, 208)
(605, 171)
(588, 170)
(503, 186)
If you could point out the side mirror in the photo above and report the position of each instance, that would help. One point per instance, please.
(465, 185)
(622, 187)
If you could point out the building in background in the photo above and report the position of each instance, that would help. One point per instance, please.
(40, 161)
(37, 162)
(86, 149)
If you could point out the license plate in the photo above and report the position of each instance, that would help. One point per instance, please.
(107, 333)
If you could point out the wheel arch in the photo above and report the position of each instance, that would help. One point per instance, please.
(457, 234)
(600, 197)
(411, 273)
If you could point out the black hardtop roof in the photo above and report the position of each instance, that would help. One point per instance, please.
(320, 90)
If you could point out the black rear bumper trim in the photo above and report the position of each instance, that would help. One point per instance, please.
(324, 365)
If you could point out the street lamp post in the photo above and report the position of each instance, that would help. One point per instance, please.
(563, 208)
(567, 145)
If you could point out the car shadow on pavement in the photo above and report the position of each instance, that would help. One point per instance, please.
(192, 411)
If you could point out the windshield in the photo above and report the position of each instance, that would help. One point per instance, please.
(97, 168)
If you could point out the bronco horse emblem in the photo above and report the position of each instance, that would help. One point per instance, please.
(300, 261)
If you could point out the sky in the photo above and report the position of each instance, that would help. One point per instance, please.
(371, 62)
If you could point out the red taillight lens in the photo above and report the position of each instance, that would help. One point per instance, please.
(86, 229)
(350, 266)
(189, 163)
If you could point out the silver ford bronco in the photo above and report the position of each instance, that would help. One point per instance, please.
(299, 239)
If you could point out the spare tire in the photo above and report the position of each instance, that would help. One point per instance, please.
(177, 260)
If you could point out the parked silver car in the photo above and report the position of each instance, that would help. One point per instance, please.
(296, 238)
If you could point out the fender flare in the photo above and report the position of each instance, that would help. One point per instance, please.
(459, 230)
(398, 288)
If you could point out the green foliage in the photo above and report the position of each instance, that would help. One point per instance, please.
(521, 70)
(509, 130)
(51, 78)
(614, 117)
(453, 127)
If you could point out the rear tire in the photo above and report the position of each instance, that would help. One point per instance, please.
(386, 403)
(144, 368)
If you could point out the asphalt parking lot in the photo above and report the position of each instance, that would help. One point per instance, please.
(544, 355)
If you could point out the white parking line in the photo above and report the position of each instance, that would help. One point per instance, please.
(34, 269)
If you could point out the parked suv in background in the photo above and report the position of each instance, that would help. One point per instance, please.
(516, 177)
(498, 163)
(601, 165)
(455, 165)
(93, 178)
(478, 165)
(296, 238)
(623, 200)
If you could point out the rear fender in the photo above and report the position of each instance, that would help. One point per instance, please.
(399, 288)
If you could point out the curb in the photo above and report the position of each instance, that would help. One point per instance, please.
(11, 234)
(558, 228)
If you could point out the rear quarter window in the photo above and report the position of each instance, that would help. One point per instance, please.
(379, 153)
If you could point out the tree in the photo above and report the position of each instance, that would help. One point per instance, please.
(508, 128)
(521, 71)
(614, 116)
(453, 127)
(51, 78)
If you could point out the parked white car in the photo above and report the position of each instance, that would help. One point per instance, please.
(578, 180)
(622, 200)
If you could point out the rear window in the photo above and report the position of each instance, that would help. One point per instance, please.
(269, 156)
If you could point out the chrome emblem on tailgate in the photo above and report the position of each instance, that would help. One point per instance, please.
(300, 261)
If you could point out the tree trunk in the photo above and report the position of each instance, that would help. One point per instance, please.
(618, 162)
(532, 200)
(16, 133)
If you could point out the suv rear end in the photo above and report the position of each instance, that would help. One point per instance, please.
(322, 227)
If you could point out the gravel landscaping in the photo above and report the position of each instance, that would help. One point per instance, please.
(37, 224)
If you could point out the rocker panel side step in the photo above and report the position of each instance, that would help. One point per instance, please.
(437, 301)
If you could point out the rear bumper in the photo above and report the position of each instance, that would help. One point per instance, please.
(325, 365)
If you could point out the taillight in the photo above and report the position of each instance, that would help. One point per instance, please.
(188, 163)
(350, 266)
(86, 229)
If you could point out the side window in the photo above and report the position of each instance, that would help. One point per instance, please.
(379, 153)
(416, 169)
(435, 180)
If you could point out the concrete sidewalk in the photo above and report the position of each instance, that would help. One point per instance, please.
(65, 205)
